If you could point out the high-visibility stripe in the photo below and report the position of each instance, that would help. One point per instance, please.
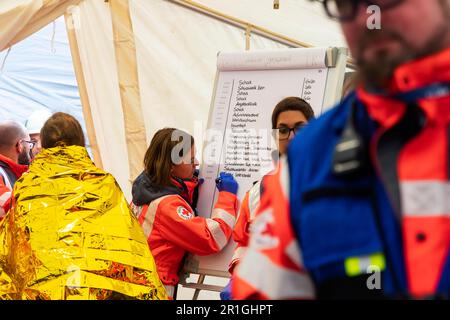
(229, 219)
(284, 176)
(378, 260)
(137, 210)
(238, 253)
(170, 290)
(425, 198)
(217, 233)
(355, 266)
(149, 218)
(254, 199)
(4, 198)
(272, 280)
(294, 253)
(5, 178)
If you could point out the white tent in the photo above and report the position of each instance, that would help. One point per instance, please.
(146, 64)
(142, 65)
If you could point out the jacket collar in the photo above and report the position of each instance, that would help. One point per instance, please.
(145, 191)
(186, 187)
(422, 72)
(407, 77)
(17, 169)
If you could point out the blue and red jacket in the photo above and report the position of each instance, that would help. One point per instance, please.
(393, 215)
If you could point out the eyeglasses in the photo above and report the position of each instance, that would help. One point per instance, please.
(283, 133)
(30, 143)
(345, 10)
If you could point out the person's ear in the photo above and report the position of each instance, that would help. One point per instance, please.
(19, 147)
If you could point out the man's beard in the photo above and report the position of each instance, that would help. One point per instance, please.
(378, 72)
(24, 158)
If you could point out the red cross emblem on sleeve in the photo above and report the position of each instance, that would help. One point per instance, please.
(184, 213)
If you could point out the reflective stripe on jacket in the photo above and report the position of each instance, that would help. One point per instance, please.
(172, 229)
(272, 266)
(246, 215)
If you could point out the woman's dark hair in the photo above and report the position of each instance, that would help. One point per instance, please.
(168, 146)
(292, 104)
(62, 129)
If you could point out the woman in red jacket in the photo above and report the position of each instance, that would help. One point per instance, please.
(163, 202)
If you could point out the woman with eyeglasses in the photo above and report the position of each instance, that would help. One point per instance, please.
(288, 118)
(70, 233)
(163, 201)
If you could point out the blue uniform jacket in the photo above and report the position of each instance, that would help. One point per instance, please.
(336, 218)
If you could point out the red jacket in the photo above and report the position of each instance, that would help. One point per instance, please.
(173, 229)
(6, 185)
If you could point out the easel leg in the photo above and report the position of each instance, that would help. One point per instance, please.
(200, 280)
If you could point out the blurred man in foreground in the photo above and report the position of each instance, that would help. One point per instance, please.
(360, 209)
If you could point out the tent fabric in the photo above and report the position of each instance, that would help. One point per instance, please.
(176, 54)
(176, 50)
(302, 20)
(79, 74)
(94, 34)
(38, 74)
(125, 51)
(21, 18)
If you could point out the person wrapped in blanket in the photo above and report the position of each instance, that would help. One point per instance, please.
(70, 234)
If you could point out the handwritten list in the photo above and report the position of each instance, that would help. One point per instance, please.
(239, 137)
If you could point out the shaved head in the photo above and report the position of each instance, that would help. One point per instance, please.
(10, 133)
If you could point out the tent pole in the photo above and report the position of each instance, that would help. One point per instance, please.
(241, 23)
(192, 5)
(82, 89)
(248, 34)
(126, 58)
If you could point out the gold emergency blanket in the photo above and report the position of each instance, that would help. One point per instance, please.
(71, 235)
